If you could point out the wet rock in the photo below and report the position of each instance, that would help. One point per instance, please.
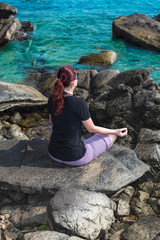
(109, 172)
(138, 29)
(102, 58)
(27, 27)
(6, 10)
(146, 227)
(17, 95)
(82, 212)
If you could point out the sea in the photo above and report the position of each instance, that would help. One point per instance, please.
(66, 30)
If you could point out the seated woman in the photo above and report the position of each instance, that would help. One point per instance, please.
(67, 114)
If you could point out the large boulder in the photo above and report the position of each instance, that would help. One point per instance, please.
(138, 29)
(27, 161)
(102, 58)
(84, 213)
(18, 95)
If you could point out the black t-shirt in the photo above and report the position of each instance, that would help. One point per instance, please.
(65, 142)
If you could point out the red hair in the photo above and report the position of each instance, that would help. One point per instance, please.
(66, 74)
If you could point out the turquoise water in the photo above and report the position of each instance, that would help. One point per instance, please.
(66, 30)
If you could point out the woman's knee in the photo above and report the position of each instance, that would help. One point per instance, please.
(113, 137)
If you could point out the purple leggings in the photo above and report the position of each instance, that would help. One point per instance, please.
(95, 146)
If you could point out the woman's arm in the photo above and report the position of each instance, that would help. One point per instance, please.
(89, 125)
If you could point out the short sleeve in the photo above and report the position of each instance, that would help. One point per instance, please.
(84, 111)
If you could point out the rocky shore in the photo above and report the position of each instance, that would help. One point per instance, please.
(116, 196)
(115, 100)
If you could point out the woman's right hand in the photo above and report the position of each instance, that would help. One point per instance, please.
(121, 132)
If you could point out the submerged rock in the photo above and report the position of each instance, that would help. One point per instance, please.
(84, 213)
(17, 95)
(138, 29)
(102, 58)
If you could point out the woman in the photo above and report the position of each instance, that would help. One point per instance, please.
(67, 114)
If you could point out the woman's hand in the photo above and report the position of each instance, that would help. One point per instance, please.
(121, 132)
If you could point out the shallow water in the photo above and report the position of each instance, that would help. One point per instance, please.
(66, 30)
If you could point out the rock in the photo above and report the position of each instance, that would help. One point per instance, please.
(16, 117)
(149, 136)
(46, 82)
(140, 206)
(123, 208)
(131, 78)
(146, 227)
(84, 79)
(10, 235)
(15, 133)
(84, 213)
(17, 95)
(102, 58)
(138, 29)
(81, 93)
(103, 78)
(157, 18)
(47, 235)
(27, 27)
(8, 29)
(38, 216)
(17, 196)
(26, 161)
(6, 10)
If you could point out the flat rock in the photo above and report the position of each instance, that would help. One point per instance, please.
(47, 235)
(18, 95)
(25, 165)
(138, 29)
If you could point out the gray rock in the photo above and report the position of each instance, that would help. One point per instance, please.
(131, 78)
(46, 82)
(27, 161)
(102, 58)
(16, 133)
(6, 10)
(123, 205)
(84, 79)
(146, 227)
(38, 215)
(138, 29)
(16, 117)
(149, 153)
(149, 136)
(102, 78)
(17, 95)
(84, 213)
(17, 196)
(8, 29)
(47, 235)
(81, 93)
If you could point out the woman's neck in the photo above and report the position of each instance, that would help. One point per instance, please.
(69, 90)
